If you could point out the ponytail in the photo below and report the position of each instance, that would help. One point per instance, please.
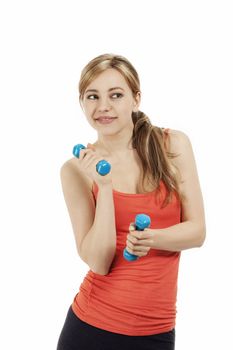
(149, 141)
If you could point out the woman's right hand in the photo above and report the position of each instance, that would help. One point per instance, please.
(88, 158)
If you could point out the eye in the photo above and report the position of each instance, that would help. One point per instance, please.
(118, 94)
(88, 97)
(92, 97)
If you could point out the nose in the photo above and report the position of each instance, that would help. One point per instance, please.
(104, 104)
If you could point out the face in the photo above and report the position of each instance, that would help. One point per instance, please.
(109, 96)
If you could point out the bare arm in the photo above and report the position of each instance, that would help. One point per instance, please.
(191, 231)
(179, 237)
(99, 244)
(94, 228)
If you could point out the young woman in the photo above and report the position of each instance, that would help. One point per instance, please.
(123, 304)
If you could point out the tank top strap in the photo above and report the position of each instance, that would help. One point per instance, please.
(166, 131)
(165, 134)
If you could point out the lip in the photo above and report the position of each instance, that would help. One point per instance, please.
(105, 116)
(105, 120)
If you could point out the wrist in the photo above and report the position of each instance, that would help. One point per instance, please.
(105, 186)
(155, 237)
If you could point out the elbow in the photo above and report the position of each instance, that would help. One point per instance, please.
(100, 272)
(97, 269)
(202, 237)
(99, 259)
(103, 273)
(103, 266)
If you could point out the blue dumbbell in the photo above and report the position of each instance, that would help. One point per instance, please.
(102, 167)
(141, 221)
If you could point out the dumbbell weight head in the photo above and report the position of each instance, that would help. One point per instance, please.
(142, 221)
(103, 167)
(77, 148)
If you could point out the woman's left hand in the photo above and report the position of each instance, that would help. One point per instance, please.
(139, 242)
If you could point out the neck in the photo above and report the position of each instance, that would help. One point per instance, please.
(118, 145)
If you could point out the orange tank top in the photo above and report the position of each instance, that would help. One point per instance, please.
(135, 298)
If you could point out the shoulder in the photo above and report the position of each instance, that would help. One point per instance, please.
(184, 161)
(70, 167)
(70, 163)
(178, 143)
(176, 139)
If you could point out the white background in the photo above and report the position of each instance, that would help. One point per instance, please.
(182, 51)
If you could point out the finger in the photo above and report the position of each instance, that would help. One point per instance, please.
(141, 253)
(137, 252)
(85, 152)
(129, 245)
(145, 243)
(142, 234)
(90, 146)
(137, 248)
(88, 155)
(132, 239)
(133, 242)
(140, 242)
(91, 162)
(132, 226)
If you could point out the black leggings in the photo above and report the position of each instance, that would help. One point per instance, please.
(78, 335)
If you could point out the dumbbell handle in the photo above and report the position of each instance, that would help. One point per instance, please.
(141, 221)
(102, 167)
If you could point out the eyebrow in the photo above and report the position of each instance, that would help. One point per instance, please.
(113, 88)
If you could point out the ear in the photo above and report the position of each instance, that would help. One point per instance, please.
(80, 103)
(137, 100)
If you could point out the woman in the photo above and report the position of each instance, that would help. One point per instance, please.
(122, 304)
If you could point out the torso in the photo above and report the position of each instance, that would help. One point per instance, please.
(126, 175)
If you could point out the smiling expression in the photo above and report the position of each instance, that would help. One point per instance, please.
(109, 95)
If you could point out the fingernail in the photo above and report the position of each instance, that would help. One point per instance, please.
(131, 227)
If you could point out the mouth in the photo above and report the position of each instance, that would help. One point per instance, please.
(105, 120)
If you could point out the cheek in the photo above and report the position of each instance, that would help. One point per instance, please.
(88, 108)
(127, 108)
(121, 109)
(89, 111)
(124, 110)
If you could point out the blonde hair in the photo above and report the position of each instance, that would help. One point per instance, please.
(147, 139)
